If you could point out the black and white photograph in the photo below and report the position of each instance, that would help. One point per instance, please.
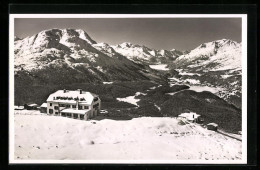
(128, 88)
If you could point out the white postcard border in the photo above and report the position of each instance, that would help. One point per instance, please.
(244, 88)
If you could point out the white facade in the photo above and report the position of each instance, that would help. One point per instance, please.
(74, 104)
(191, 117)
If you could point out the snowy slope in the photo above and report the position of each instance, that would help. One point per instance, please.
(216, 55)
(72, 51)
(50, 46)
(215, 65)
(41, 137)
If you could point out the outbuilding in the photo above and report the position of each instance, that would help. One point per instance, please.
(191, 117)
(18, 107)
(43, 108)
(212, 126)
(31, 106)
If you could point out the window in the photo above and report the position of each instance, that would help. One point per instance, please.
(82, 99)
(80, 107)
(68, 106)
(50, 111)
(56, 107)
(68, 114)
(85, 107)
(63, 114)
(73, 106)
(50, 104)
(95, 105)
(75, 116)
(62, 105)
(81, 117)
(56, 113)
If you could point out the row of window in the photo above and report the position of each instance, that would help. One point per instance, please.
(51, 112)
(74, 115)
(68, 106)
(67, 114)
(68, 98)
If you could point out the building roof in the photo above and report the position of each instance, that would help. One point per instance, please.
(32, 105)
(18, 107)
(212, 124)
(44, 105)
(29, 103)
(86, 96)
(189, 116)
(74, 111)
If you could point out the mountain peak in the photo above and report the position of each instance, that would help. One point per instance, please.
(67, 33)
(126, 44)
(218, 43)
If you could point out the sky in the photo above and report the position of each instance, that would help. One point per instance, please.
(157, 33)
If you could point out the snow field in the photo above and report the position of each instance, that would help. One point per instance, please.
(159, 67)
(58, 138)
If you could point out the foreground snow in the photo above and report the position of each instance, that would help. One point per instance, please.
(41, 137)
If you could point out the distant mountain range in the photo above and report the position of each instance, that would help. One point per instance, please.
(58, 56)
(143, 54)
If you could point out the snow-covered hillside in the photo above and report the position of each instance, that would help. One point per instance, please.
(72, 51)
(143, 54)
(51, 46)
(215, 65)
(41, 137)
(213, 56)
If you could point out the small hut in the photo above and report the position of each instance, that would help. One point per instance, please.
(191, 117)
(43, 108)
(212, 126)
(18, 107)
(31, 106)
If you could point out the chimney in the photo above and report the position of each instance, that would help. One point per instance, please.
(80, 91)
(64, 90)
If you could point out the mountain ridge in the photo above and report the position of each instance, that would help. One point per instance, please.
(62, 49)
(73, 56)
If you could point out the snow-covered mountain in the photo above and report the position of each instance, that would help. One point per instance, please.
(143, 54)
(70, 54)
(58, 56)
(222, 54)
(216, 65)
